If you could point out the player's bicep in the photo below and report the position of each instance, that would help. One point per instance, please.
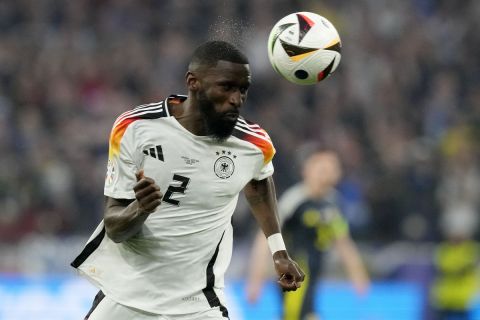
(112, 205)
(258, 191)
(113, 202)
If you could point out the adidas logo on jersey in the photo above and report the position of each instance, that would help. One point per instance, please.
(155, 152)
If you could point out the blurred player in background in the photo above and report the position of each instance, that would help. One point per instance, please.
(311, 223)
(175, 171)
(456, 263)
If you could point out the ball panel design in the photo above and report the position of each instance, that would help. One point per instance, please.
(304, 48)
(301, 74)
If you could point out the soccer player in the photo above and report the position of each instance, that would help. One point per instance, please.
(312, 223)
(175, 170)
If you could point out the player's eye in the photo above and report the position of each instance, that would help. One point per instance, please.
(227, 86)
(243, 90)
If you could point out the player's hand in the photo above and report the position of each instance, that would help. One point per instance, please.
(290, 274)
(148, 194)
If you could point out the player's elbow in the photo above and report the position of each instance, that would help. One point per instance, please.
(116, 239)
(114, 235)
(113, 231)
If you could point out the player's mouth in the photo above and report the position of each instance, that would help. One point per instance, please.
(231, 116)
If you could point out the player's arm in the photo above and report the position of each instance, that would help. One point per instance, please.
(261, 197)
(124, 218)
(257, 268)
(350, 257)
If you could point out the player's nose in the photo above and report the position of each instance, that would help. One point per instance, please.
(236, 98)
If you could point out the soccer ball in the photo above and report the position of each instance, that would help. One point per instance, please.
(304, 48)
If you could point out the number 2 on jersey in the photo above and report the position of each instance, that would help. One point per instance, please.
(167, 197)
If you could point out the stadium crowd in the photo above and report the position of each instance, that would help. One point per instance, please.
(403, 108)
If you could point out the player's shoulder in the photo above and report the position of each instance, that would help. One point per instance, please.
(291, 199)
(252, 132)
(294, 195)
(148, 111)
(124, 121)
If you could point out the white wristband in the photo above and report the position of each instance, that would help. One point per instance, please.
(275, 242)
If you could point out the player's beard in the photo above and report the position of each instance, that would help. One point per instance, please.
(216, 124)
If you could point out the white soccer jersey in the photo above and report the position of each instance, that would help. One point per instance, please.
(176, 264)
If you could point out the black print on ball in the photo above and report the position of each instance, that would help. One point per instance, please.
(301, 74)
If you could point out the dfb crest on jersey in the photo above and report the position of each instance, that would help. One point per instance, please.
(224, 165)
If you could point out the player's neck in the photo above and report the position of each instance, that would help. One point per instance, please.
(189, 117)
(318, 193)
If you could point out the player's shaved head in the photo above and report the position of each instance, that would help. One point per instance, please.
(218, 78)
(209, 53)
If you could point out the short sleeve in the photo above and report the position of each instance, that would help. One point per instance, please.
(254, 134)
(265, 172)
(120, 178)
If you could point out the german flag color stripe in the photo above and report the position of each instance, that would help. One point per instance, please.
(117, 134)
(151, 111)
(252, 133)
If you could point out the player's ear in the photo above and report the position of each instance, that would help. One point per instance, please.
(192, 81)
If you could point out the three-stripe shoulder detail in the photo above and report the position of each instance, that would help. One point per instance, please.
(146, 111)
(252, 129)
(254, 134)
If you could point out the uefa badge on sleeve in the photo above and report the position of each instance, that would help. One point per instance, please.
(111, 175)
